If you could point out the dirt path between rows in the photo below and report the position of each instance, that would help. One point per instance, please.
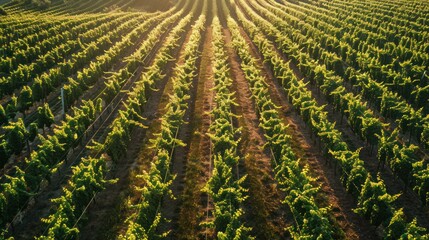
(195, 203)
(107, 218)
(408, 199)
(171, 207)
(264, 211)
(332, 191)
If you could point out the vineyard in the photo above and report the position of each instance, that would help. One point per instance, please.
(214, 119)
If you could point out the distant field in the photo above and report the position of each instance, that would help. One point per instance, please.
(225, 119)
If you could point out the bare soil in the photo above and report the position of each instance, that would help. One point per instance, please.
(192, 164)
(139, 156)
(332, 191)
(171, 207)
(43, 207)
(195, 203)
(263, 209)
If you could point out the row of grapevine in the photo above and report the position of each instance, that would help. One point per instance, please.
(106, 6)
(88, 76)
(42, 61)
(401, 158)
(408, 18)
(48, 81)
(116, 141)
(143, 224)
(74, 88)
(78, 6)
(16, 190)
(391, 105)
(38, 59)
(24, 74)
(65, 8)
(13, 22)
(311, 220)
(58, 8)
(355, 25)
(87, 179)
(51, 152)
(374, 203)
(15, 31)
(121, 127)
(82, 7)
(32, 9)
(225, 190)
(77, 60)
(361, 119)
(399, 64)
(43, 39)
(16, 27)
(33, 4)
(29, 7)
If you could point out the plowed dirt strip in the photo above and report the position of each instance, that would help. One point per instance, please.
(264, 211)
(171, 207)
(193, 201)
(408, 201)
(334, 194)
(30, 223)
(107, 217)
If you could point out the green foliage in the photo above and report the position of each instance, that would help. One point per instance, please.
(37, 3)
(385, 70)
(354, 171)
(12, 195)
(421, 174)
(413, 231)
(33, 131)
(88, 178)
(66, 135)
(375, 203)
(402, 162)
(311, 220)
(270, 24)
(144, 223)
(25, 99)
(50, 152)
(235, 229)
(118, 137)
(3, 116)
(424, 138)
(398, 228)
(4, 152)
(11, 107)
(371, 127)
(2, 11)
(44, 116)
(16, 137)
(38, 89)
(227, 192)
(387, 142)
(397, 225)
(112, 88)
